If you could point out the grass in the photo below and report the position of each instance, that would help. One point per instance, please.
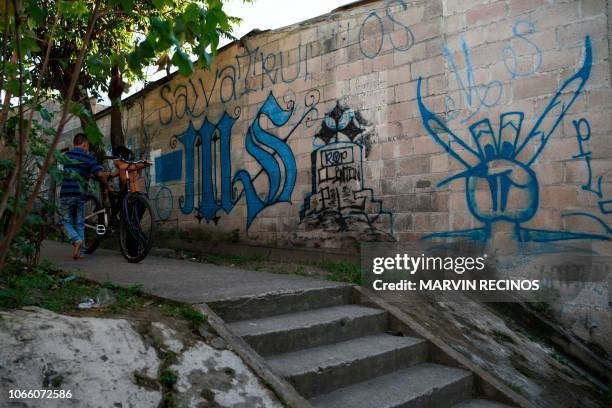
(44, 286)
(517, 388)
(502, 337)
(224, 259)
(50, 288)
(168, 377)
(558, 357)
(47, 287)
(193, 316)
(186, 312)
(165, 237)
(342, 272)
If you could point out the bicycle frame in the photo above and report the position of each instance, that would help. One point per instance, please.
(116, 198)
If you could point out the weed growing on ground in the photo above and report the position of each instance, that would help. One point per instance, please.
(194, 316)
(48, 287)
(44, 286)
(224, 259)
(343, 272)
(186, 312)
(168, 377)
(517, 388)
(502, 337)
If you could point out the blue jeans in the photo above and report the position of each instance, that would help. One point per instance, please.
(73, 218)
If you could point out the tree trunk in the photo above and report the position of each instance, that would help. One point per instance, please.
(83, 98)
(115, 90)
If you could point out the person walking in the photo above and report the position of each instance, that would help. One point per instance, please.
(80, 166)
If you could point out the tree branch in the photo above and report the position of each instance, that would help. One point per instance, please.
(5, 245)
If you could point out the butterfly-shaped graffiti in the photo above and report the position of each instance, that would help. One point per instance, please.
(500, 183)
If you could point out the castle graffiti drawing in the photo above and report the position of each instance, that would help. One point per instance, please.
(339, 202)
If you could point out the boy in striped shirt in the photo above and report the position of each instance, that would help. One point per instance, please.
(81, 165)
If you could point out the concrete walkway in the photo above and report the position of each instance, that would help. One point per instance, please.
(178, 280)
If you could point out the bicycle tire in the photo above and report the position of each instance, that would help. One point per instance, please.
(130, 229)
(93, 239)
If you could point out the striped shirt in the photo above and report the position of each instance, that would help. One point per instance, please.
(80, 166)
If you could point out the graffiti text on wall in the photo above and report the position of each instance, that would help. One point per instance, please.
(229, 83)
(375, 25)
(592, 184)
(211, 185)
(476, 96)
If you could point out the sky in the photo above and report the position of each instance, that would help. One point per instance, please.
(264, 15)
(272, 14)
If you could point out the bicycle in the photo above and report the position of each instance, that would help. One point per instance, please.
(129, 209)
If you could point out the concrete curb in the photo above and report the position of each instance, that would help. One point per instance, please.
(283, 390)
(485, 384)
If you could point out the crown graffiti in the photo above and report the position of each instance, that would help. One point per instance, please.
(500, 184)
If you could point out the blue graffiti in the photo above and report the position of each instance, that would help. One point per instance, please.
(510, 54)
(230, 82)
(476, 96)
(278, 190)
(583, 135)
(598, 220)
(169, 167)
(380, 30)
(164, 203)
(501, 164)
(209, 176)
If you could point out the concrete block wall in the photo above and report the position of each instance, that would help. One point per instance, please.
(319, 134)
(400, 121)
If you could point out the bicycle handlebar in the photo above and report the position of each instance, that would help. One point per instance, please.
(127, 161)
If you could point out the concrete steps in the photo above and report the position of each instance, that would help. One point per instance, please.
(424, 385)
(296, 331)
(276, 303)
(479, 403)
(325, 368)
(339, 355)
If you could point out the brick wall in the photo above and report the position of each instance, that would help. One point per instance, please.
(316, 135)
(393, 120)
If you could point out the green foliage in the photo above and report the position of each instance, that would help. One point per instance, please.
(517, 388)
(343, 272)
(42, 286)
(502, 337)
(186, 312)
(193, 316)
(26, 244)
(226, 259)
(128, 37)
(168, 377)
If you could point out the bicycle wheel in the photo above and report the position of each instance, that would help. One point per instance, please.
(94, 223)
(137, 228)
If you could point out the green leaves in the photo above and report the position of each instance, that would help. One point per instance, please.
(182, 61)
(93, 134)
(45, 114)
(78, 8)
(29, 44)
(193, 31)
(36, 13)
(13, 86)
